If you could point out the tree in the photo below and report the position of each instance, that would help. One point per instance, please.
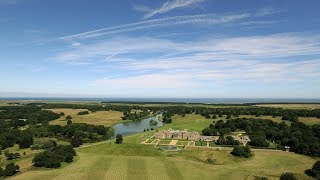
(119, 139)
(69, 121)
(76, 142)
(26, 139)
(68, 117)
(314, 171)
(11, 169)
(231, 141)
(241, 151)
(287, 176)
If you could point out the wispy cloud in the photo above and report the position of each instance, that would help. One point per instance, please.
(271, 46)
(195, 63)
(203, 19)
(167, 7)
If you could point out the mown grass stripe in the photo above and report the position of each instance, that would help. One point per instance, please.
(98, 171)
(137, 169)
(172, 170)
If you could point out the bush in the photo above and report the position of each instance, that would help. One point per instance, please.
(241, 151)
(211, 161)
(83, 112)
(287, 176)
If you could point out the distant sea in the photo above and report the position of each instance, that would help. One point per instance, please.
(176, 100)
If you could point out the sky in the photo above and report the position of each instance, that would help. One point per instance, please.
(160, 48)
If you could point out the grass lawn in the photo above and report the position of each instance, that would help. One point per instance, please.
(131, 160)
(107, 118)
(164, 141)
(183, 143)
(201, 143)
(192, 122)
(309, 120)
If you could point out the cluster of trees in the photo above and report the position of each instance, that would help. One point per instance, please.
(11, 156)
(242, 151)
(83, 112)
(227, 141)
(28, 114)
(153, 122)
(10, 137)
(208, 112)
(301, 138)
(314, 171)
(166, 117)
(9, 170)
(53, 157)
(128, 115)
(85, 132)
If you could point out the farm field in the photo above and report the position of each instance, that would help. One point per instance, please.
(132, 160)
(106, 118)
(292, 106)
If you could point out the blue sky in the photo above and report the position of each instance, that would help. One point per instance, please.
(163, 48)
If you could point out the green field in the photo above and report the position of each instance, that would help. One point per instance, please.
(192, 122)
(131, 160)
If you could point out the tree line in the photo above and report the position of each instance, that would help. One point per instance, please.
(299, 137)
(205, 111)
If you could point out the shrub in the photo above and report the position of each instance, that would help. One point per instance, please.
(287, 176)
(211, 161)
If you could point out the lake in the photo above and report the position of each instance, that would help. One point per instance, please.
(132, 127)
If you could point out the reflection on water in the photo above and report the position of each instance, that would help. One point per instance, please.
(132, 127)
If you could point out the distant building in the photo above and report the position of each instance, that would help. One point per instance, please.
(243, 139)
(209, 138)
(194, 136)
(177, 134)
(287, 148)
